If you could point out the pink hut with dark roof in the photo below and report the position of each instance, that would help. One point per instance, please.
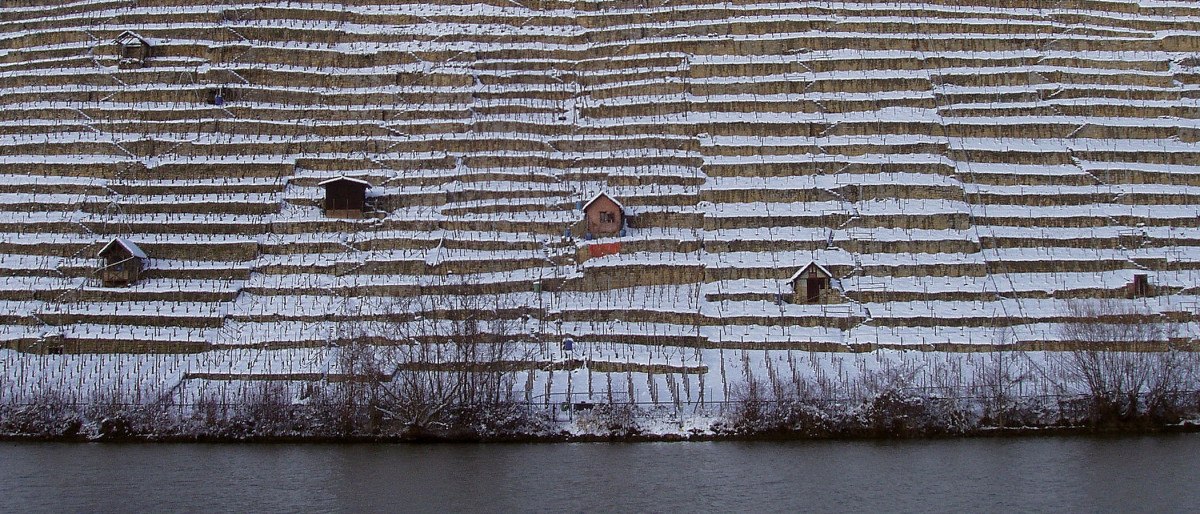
(605, 216)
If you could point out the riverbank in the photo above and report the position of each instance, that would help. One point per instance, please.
(1012, 432)
(518, 424)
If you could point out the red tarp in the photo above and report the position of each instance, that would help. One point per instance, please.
(600, 250)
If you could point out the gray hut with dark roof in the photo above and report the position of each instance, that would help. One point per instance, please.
(122, 263)
(133, 50)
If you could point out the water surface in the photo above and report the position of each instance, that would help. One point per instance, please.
(1130, 474)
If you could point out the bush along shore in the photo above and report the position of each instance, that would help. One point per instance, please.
(760, 413)
(1126, 376)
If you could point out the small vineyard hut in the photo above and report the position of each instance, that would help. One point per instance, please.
(605, 216)
(133, 50)
(345, 197)
(121, 263)
(809, 285)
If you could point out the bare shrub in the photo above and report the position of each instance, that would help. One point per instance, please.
(47, 414)
(499, 421)
(995, 383)
(780, 407)
(208, 417)
(448, 366)
(616, 420)
(350, 404)
(893, 407)
(265, 412)
(1123, 360)
(115, 415)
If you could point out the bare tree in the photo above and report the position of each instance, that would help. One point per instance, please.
(1123, 358)
(995, 381)
(454, 356)
(351, 397)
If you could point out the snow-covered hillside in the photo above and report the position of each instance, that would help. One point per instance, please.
(962, 169)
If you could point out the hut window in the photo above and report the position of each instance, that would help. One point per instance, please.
(607, 217)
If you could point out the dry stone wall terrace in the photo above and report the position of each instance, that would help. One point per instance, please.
(962, 167)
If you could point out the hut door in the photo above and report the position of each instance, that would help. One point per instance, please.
(1141, 286)
(815, 285)
(134, 49)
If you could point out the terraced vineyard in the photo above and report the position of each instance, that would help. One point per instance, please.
(963, 169)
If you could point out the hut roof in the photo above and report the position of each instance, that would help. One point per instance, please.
(597, 197)
(129, 34)
(345, 178)
(800, 273)
(128, 245)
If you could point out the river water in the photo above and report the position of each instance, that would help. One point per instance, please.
(1128, 474)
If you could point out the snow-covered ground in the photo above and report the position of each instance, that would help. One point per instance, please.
(965, 171)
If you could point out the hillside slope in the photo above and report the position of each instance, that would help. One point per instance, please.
(963, 169)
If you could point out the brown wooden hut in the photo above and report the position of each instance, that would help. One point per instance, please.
(605, 216)
(345, 197)
(812, 284)
(133, 50)
(122, 263)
